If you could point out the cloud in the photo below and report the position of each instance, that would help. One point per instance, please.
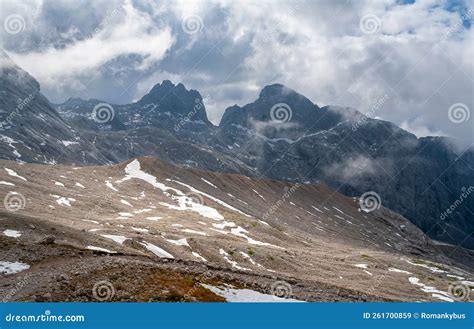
(419, 54)
(145, 85)
(419, 130)
(352, 167)
(125, 31)
(263, 127)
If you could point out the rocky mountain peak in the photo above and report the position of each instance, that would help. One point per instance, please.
(280, 93)
(168, 88)
(167, 97)
(276, 89)
(280, 112)
(12, 76)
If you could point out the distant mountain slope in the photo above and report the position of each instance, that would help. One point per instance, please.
(418, 177)
(117, 221)
(170, 121)
(282, 135)
(30, 128)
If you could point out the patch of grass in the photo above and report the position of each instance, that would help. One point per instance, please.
(147, 285)
(443, 268)
(175, 287)
(417, 261)
(427, 262)
(367, 257)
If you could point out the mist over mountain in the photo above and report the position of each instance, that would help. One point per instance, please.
(282, 135)
(30, 128)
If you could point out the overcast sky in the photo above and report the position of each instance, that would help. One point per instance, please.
(415, 57)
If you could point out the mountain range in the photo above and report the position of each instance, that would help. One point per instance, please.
(282, 136)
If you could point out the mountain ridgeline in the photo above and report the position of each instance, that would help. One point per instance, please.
(282, 136)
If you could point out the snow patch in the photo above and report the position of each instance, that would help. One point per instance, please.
(225, 255)
(100, 249)
(10, 141)
(208, 182)
(258, 194)
(109, 184)
(186, 230)
(246, 295)
(455, 276)
(117, 238)
(156, 250)
(222, 203)
(396, 270)
(339, 210)
(125, 202)
(247, 256)
(140, 211)
(69, 143)
(195, 254)
(91, 221)
(317, 209)
(141, 230)
(125, 214)
(12, 173)
(443, 295)
(12, 233)
(63, 201)
(180, 242)
(8, 268)
(241, 232)
(156, 218)
(361, 265)
(431, 268)
(133, 170)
